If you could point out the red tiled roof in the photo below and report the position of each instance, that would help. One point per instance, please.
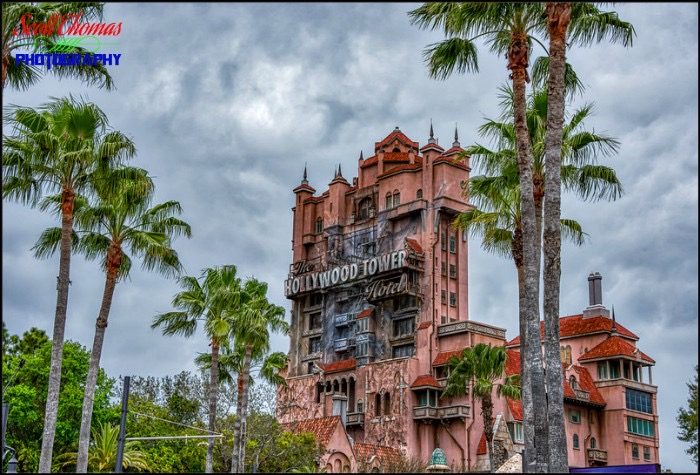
(413, 244)
(512, 367)
(453, 150)
(313, 199)
(516, 409)
(426, 380)
(443, 357)
(445, 159)
(432, 145)
(424, 325)
(400, 168)
(369, 161)
(615, 346)
(337, 366)
(481, 448)
(321, 427)
(575, 325)
(585, 382)
(396, 156)
(385, 455)
(365, 313)
(304, 186)
(396, 134)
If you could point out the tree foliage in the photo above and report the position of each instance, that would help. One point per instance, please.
(688, 420)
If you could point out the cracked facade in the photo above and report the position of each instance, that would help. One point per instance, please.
(378, 282)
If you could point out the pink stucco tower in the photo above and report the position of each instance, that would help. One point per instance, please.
(378, 284)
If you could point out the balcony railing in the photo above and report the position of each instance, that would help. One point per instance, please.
(355, 419)
(342, 344)
(582, 395)
(344, 319)
(443, 412)
(597, 455)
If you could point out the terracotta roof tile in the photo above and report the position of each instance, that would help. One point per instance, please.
(481, 448)
(413, 244)
(368, 312)
(369, 162)
(306, 187)
(585, 381)
(321, 427)
(452, 150)
(432, 145)
(443, 357)
(615, 346)
(424, 325)
(426, 380)
(396, 156)
(396, 134)
(400, 168)
(338, 366)
(575, 325)
(386, 456)
(516, 409)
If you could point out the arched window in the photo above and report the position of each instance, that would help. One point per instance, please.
(419, 193)
(363, 208)
(360, 406)
(576, 441)
(387, 404)
(319, 390)
(572, 381)
(396, 150)
(388, 201)
(377, 405)
(593, 443)
(565, 352)
(397, 198)
(319, 225)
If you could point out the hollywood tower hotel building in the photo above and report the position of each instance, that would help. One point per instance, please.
(378, 283)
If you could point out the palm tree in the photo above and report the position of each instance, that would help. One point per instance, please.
(210, 301)
(255, 319)
(103, 453)
(588, 24)
(22, 75)
(120, 219)
(508, 28)
(482, 365)
(63, 146)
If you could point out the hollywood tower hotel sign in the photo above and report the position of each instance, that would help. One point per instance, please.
(378, 284)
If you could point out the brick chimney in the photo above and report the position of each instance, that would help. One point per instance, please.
(595, 297)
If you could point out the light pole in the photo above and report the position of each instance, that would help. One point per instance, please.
(12, 463)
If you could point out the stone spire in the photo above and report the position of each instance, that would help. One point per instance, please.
(340, 173)
(456, 142)
(361, 156)
(431, 140)
(613, 330)
(304, 181)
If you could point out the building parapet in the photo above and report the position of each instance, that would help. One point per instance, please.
(465, 326)
(629, 383)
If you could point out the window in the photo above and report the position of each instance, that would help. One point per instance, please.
(404, 327)
(614, 369)
(405, 301)
(419, 194)
(402, 351)
(387, 201)
(453, 244)
(387, 404)
(362, 325)
(565, 352)
(427, 397)
(516, 432)
(443, 319)
(377, 405)
(314, 345)
(443, 297)
(635, 451)
(640, 426)
(453, 299)
(593, 443)
(319, 225)
(443, 268)
(397, 198)
(575, 444)
(647, 452)
(362, 349)
(572, 382)
(443, 242)
(364, 208)
(310, 368)
(315, 299)
(315, 321)
(638, 401)
(602, 370)
(453, 271)
(575, 417)
(360, 406)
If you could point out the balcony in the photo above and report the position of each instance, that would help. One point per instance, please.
(343, 344)
(582, 395)
(597, 455)
(443, 412)
(344, 319)
(355, 419)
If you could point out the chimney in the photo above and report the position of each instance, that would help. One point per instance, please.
(595, 297)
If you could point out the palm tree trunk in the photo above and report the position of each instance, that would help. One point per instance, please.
(59, 326)
(5, 63)
(213, 396)
(533, 372)
(487, 415)
(559, 16)
(114, 257)
(237, 460)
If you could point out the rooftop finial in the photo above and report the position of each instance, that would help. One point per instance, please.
(340, 173)
(361, 156)
(335, 175)
(432, 135)
(304, 180)
(456, 142)
(614, 324)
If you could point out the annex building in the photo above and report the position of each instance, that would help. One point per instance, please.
(379, 289)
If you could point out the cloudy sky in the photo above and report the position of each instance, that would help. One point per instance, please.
(226, 102)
